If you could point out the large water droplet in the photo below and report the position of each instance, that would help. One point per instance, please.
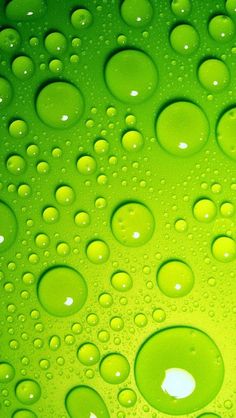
(226, 133)
(137, 13)
(85, 402)
(184, 39)
(213, 74)
(28, 391)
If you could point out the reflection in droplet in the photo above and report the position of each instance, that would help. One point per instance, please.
(178, 383)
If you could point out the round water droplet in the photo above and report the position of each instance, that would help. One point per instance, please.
(28, 391)
(227, 209)
(81, 19)
(140, 320)
(85, 402)
(56, 112)
(55, 43)
(231, 6)
(213, 74)
(42, 240)
(221, 28)
(121, 281)
(9, 40)
(18, 129)
(184, 39)
(16, 165)
(62, 291)
(26, 9)
(5, 93)
(204, 210)
(181, 225)
(56, 66)
(182, 129)
(224, 249)
(65, 195)
(116, 323)
(86, 165)
(226, 136)
(101, 146)
(82, 219)
(127, 398)
(175, 279)
(50, 215)
(136, 13)
(97, 252)
(88, 354)
(171, 374)
(114, 368)
(159, 315)
(181, 8)
(105, 300)
(7, 372)
(24, 413)
(54, 342)
(132, 224)
(23, 68)
(132, 141)
(124, 76)
(8, 227)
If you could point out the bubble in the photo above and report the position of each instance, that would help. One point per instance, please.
(224, 249)
(8, 227)
(121, 281)
(62, 291)
(88, 354)
(213, 74)
(114, 368)
(181, 8)
(159, 315)
(42, 167)
(86, 165)
(9, 40)
(227, 209)
(105, 300)
(18, 129)
(171, 370)
(184, 39)
(28, 391)
(7, 372)
(204, 210)
(124, 76)
(182, 129)
(231, 6)
(24, 413)
(221, 28)
(137, 13)
(81, 19)
(132, 141)
(97, 252)
(84, 402)
(63, 249)
(42, 241)
(116, 323)
(50, 215)
(56, 112)
(181, 225)
(25, 10)
(225, 131)
(208, 415)
(175, 279)
(56, 66)
(132, 224)
(82, 219)
(6, 93)
(65, 195)
(16, 165)
(127, 398)
(55, 43)
(140, 320)
(101, 146)
(23, 68)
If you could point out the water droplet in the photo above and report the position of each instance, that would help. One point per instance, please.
(9, 40)
(24, 413)
(8, 227)
(214, 75)
(221, 28)
(184, 39)
(7, 372)
(82, 219)
(124, 76)
(88, 354)
(18, 129)
(227, 209)
(137, 13)
(16, 165)
(175, 279)
(86, 165)
(23, 68)
(231, 6)
(105, 300)
(181, 225)
(226, 129)
(171, 374)
(127, 398)
(182, 129)
(122, 281)
(81, 19)
(62, 291)
(97, 252)
(140, 320)
(181, 8)
(54, 342)
(204, 210)
(84, 402)
(65, 195)
(116, 323)
(50, 215)
(101, 146)
(24, 10)
(28, 391)
(56, 66)
(224, 249)
(132, 141)
(159, 315)
(114, 368)
(132, 224)
(6, 93)
(42, 240)
(56, 112)
(55, 43)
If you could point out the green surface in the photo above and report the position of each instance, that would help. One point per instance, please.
(117, 208)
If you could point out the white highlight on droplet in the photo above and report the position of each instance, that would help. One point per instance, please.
(69, 301)
(1, 239)
(136, 235)
(183, 145)
(178, 383)
(134, 93)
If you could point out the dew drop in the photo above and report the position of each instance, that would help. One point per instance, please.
(224, 249)
(214, 75)
(97, 252)
(175, 279)
(28, 391)
(114, 368)
(85, 402)
(184, 39)
(137, 13)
